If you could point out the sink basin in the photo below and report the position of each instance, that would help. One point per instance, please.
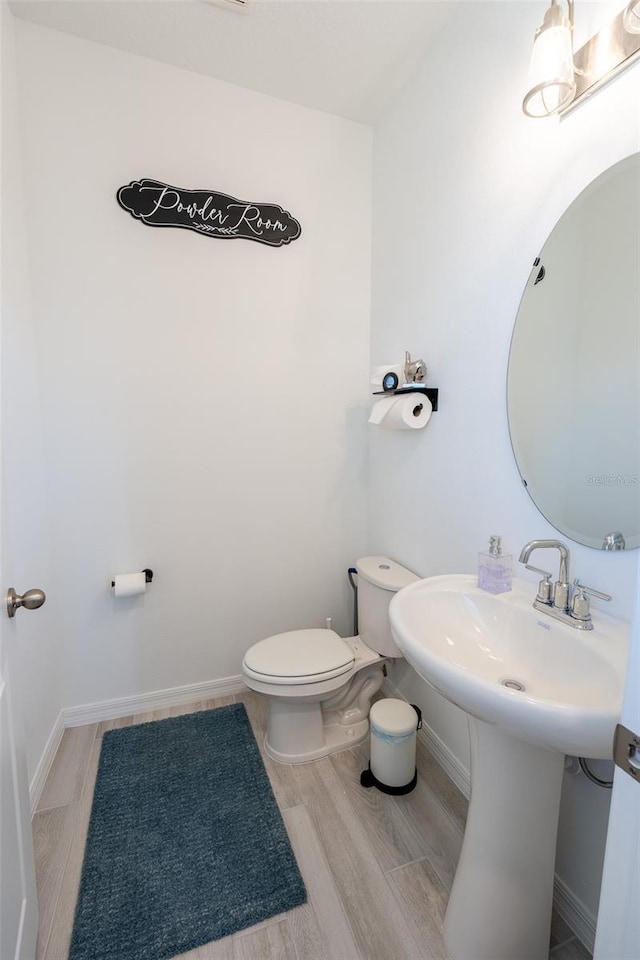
(534, 689)
(505, 663)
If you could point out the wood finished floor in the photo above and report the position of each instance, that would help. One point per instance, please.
(377, 868)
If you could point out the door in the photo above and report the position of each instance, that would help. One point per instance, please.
(18, 905)
(618, 931)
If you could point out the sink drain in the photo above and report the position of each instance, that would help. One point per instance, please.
(513, 684)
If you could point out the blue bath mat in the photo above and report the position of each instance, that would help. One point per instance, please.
(186, 843)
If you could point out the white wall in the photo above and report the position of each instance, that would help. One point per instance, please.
(205, 403)
(34, 637)
(466, 190)
(202, 399)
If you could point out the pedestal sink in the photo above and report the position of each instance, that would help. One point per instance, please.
(535, 689)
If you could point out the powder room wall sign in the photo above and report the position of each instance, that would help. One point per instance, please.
(211, 214)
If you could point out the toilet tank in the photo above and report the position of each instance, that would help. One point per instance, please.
(378, 580)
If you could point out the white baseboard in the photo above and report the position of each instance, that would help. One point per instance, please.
(572, 910)
(42, 770)
(124, 707)
(575, 914)
(155, 700)
(454, 769)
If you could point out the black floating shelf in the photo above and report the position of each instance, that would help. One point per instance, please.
(430, 392)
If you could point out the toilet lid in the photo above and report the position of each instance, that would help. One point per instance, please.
(299, 656)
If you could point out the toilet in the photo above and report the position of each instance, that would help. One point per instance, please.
(319, 685)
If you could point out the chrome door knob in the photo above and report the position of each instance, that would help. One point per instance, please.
(30, 600)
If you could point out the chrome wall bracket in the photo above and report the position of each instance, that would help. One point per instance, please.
(626, 751)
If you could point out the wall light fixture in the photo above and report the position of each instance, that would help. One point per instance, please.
(559, 80)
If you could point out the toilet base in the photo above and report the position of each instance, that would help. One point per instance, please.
(336, 737)
(300, 730)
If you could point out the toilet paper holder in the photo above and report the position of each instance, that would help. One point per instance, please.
(430, 392)
(148, 576)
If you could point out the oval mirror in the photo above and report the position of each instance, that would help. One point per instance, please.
(573, 389)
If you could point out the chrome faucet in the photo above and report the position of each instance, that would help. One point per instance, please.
(557, 600)
(561, 586)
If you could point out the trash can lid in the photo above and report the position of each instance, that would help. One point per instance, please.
(395, 717)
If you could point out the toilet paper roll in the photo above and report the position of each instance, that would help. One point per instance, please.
(129, 584)
(381, 409)
(378, 373)
(408, 413)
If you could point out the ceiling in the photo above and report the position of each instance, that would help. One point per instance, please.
(346, 57)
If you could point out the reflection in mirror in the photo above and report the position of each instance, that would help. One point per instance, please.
(573, 386)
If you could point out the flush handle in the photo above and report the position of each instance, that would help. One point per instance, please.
(30, 600)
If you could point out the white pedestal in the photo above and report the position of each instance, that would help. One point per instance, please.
(500, 904)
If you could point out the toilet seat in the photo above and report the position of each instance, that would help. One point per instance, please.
(299, 657)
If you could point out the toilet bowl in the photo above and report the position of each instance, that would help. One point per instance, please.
(320, 685)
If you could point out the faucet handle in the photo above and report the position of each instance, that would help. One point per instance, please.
(580, 607)
(544, 587)
(590, 590)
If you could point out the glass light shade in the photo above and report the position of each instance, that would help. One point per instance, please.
(551, 75)
(631, 18)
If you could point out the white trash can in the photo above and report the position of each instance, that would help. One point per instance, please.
(392, 764)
